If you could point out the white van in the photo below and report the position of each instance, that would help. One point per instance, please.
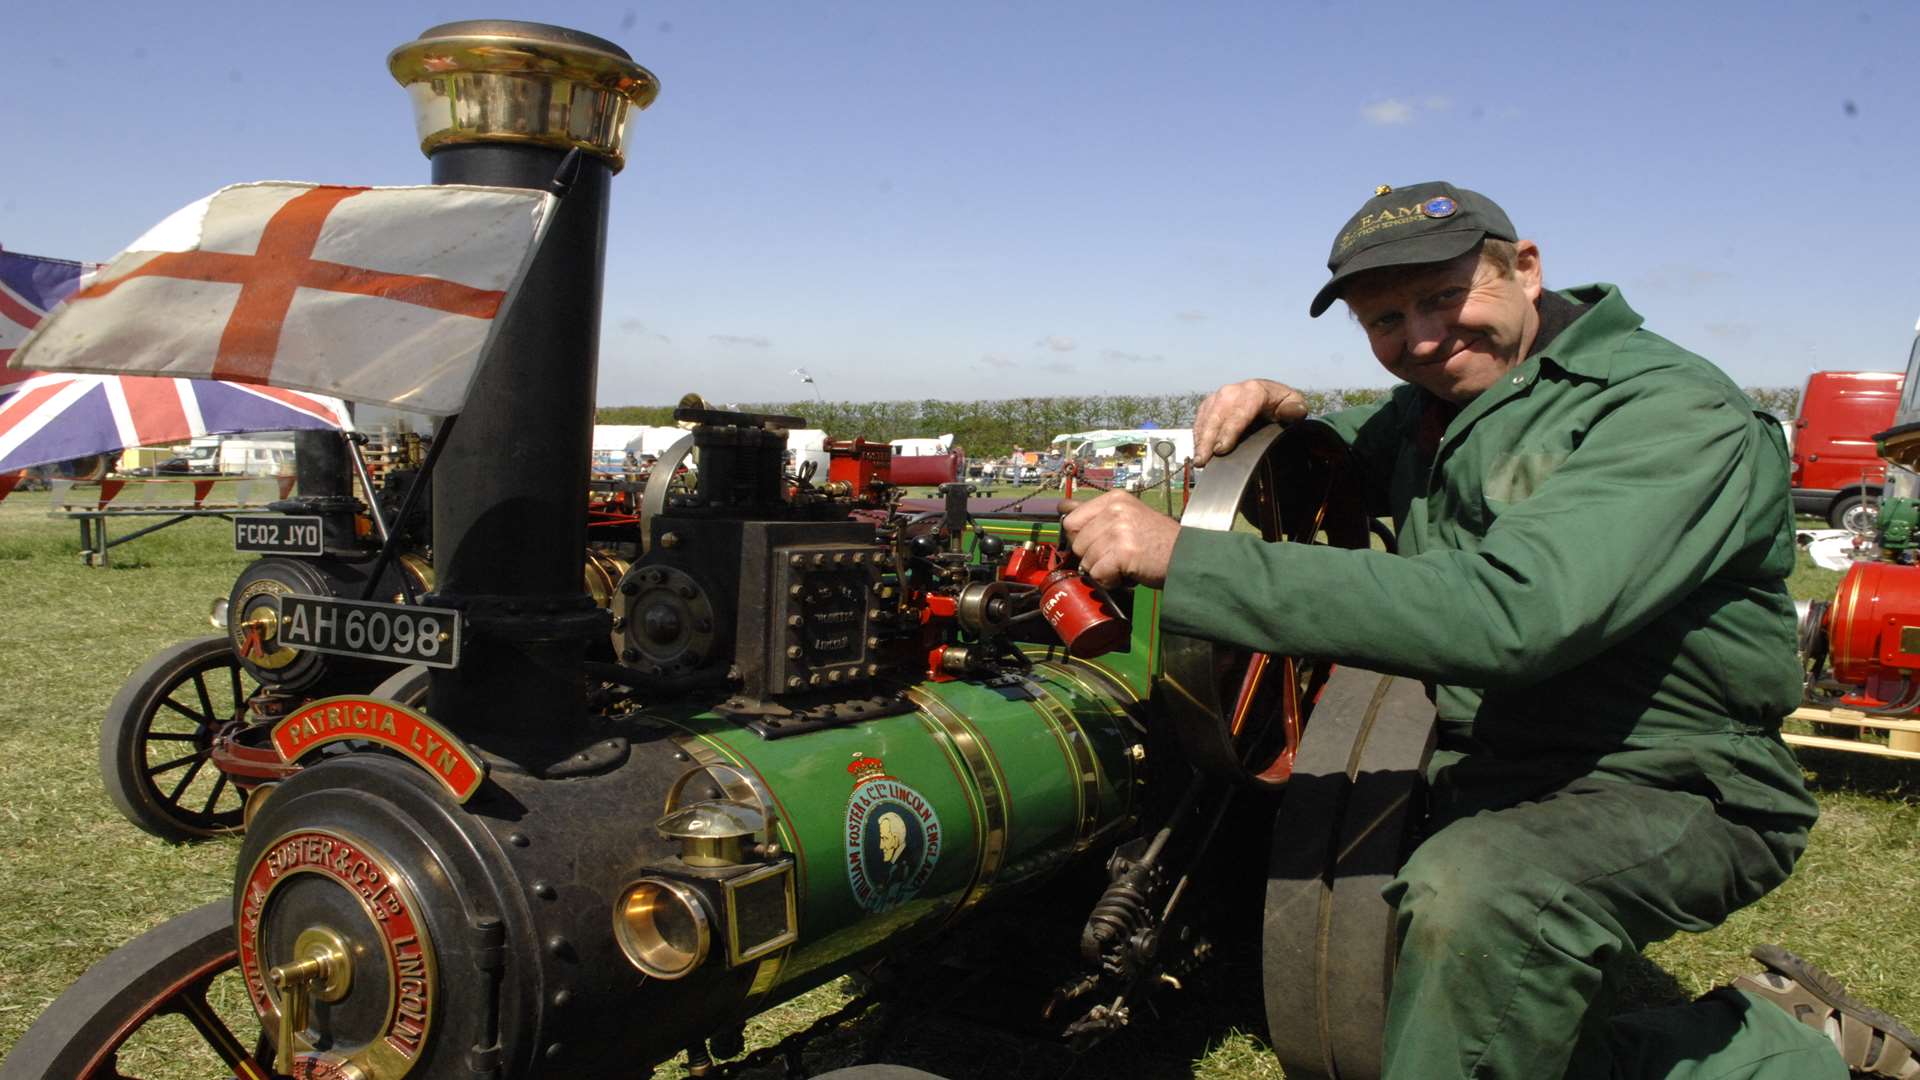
(256, 457)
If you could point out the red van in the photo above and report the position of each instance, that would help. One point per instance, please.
(1835, 468)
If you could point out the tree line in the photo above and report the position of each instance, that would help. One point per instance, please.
(990, 428)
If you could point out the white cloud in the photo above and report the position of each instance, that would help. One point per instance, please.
(1058, 343)
(1387, 112)
(995, 360)
(636, 328)
(755, 340)
(1190, 316)
(1059, 367)
(1399, 112)
(1132, 358)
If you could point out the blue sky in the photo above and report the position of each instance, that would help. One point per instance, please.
(991, 200)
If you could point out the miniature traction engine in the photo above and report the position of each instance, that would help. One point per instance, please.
(815, 728)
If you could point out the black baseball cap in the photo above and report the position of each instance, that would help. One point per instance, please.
(1424, 223)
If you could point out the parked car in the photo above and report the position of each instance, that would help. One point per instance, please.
(1837, 472)
(199, 458)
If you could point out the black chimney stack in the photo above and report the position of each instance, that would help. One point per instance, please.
(517, 104)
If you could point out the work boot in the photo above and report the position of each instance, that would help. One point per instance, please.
(1870, 1042)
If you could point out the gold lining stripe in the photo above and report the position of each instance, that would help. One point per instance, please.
(1078, 751)
(1106, 696)
(1059, 659)
(1853, 600)
(1113, 690)
(992, 811)
(970, 788)
(1153, 636)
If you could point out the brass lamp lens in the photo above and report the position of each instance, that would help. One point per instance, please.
(662, 927)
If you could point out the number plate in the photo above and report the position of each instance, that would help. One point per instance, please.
(399, 632)
(277, 534)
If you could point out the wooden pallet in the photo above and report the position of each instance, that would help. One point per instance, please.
(1903, 736)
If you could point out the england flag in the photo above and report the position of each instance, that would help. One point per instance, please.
(384, 295)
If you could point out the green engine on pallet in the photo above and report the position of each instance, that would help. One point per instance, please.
(1898, 526)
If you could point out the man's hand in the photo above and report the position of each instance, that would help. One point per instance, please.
(1119, 539)
(1228, 412)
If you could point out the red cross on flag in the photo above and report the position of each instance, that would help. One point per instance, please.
(383, 295)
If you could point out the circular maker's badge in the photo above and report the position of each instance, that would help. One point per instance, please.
(1439, 207)
(892, 837)
(400, 937)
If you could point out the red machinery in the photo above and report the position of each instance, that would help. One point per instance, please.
(1869, 637)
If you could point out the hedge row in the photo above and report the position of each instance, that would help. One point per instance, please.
(992, 428)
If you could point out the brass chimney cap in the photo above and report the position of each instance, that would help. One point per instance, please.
(502, 80)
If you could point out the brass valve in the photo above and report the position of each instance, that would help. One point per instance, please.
(322, 968)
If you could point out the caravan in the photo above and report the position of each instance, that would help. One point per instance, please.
(1138, 457)
(219, 455)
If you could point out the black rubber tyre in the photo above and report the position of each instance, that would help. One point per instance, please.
(157, 739)
(167, 970)
(1346, 822)
(1851, 506)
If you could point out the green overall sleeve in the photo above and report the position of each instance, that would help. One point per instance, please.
(1650, 502)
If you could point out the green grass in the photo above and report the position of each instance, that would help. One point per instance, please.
(76, 877)
(78, 880)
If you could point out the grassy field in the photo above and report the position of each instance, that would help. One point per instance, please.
(78, 880)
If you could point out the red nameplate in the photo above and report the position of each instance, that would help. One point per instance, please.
(396, 727)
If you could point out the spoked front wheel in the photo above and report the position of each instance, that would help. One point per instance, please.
(119, 1014)
(156, 743)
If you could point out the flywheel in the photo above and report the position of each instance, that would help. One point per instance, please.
(666, 479)
(1343, 750)
(1239, 714)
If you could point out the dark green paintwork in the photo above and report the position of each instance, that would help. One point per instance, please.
(1054, 745)
(1899, 525)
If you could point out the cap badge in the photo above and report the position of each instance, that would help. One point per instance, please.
(1439, 207)
(1383, 189)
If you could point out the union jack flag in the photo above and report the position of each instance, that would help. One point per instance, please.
(29, 287)
(47, 416)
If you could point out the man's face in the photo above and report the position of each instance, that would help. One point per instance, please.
(1455, 327)
(893, 836)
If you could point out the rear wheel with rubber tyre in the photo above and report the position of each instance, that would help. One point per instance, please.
(1348, 819)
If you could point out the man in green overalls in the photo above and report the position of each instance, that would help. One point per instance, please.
(1594, 537)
